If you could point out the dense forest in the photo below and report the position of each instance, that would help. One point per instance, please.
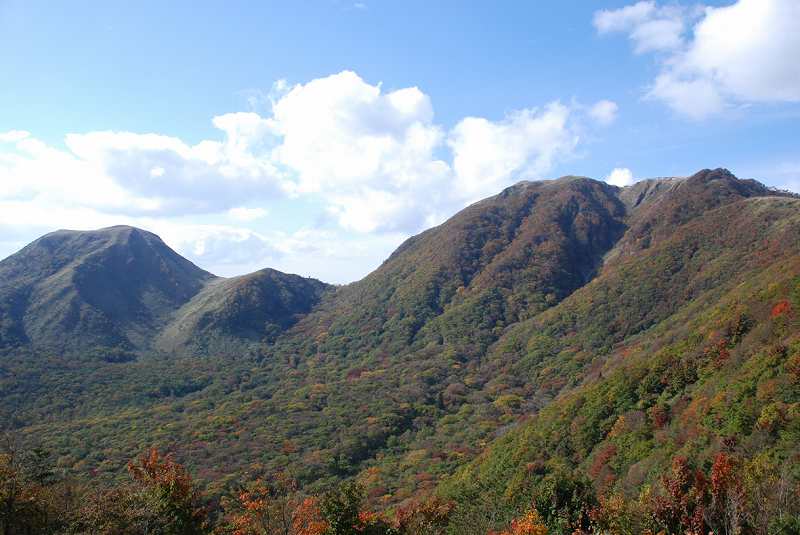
(564, 357)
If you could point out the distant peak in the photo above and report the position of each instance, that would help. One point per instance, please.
(125, 229)
(115, 232)
(707, 175)
(524, 185)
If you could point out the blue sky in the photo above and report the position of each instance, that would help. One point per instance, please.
(342, 128)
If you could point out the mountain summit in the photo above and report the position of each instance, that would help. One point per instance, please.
(114, 287)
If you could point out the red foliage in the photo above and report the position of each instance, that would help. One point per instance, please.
(659, 414)
(781, 308)
(681, 508)
(157, 471)
(601, 459)
(722, 475)
(718, 352)
(171, 485)
(727, 494)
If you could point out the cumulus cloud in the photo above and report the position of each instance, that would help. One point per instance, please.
(180, 178)
(604, 112)
(739, 54)
(376, 158)
(371, 161)
(526, 144)
(370, 153)
(621, 177)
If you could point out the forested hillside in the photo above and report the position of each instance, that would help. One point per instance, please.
(566, 355)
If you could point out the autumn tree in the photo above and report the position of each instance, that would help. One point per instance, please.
(32, 499)
(342, 510)
(424, 517)
(307, 518)
(726, 511)
(165, 499)
(681, 507)
(528, 524)
(263, 507)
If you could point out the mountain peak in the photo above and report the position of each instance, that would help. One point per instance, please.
(707, 175)
(112, 286)
(121, 286)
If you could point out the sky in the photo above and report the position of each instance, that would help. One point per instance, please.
(314, 137)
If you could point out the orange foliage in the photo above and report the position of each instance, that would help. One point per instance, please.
(264, 507)
(153, 468)
(172, 486)
(424, 516)
(307, 519)
(529, 524)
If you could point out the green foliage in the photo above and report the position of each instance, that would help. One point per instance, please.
(341, 507)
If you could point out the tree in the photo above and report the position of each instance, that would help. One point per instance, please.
(264, 507)
(165, 496)
(528, 524)
(341, 509)
(680, 508)
(426, 517)
(32, 499)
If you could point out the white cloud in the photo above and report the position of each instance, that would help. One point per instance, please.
(329, 255)
(13, 136)
(526, 144)
(369, 153)
(375, 158)
(339, 131)
(372, 162)
(739, 54)
(375, 155)
(180, 178)
(621, 177)
(604, 112)
(696, 98)
(242, 213)
(625, 18)
(650, 27)
(750, 49)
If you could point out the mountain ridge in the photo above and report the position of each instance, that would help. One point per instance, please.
(113, 286)
(423, 377)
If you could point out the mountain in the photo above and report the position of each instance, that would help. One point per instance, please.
(245, 309)
(679, 356)
(111, 287)
(116, 288)
(558, 344)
